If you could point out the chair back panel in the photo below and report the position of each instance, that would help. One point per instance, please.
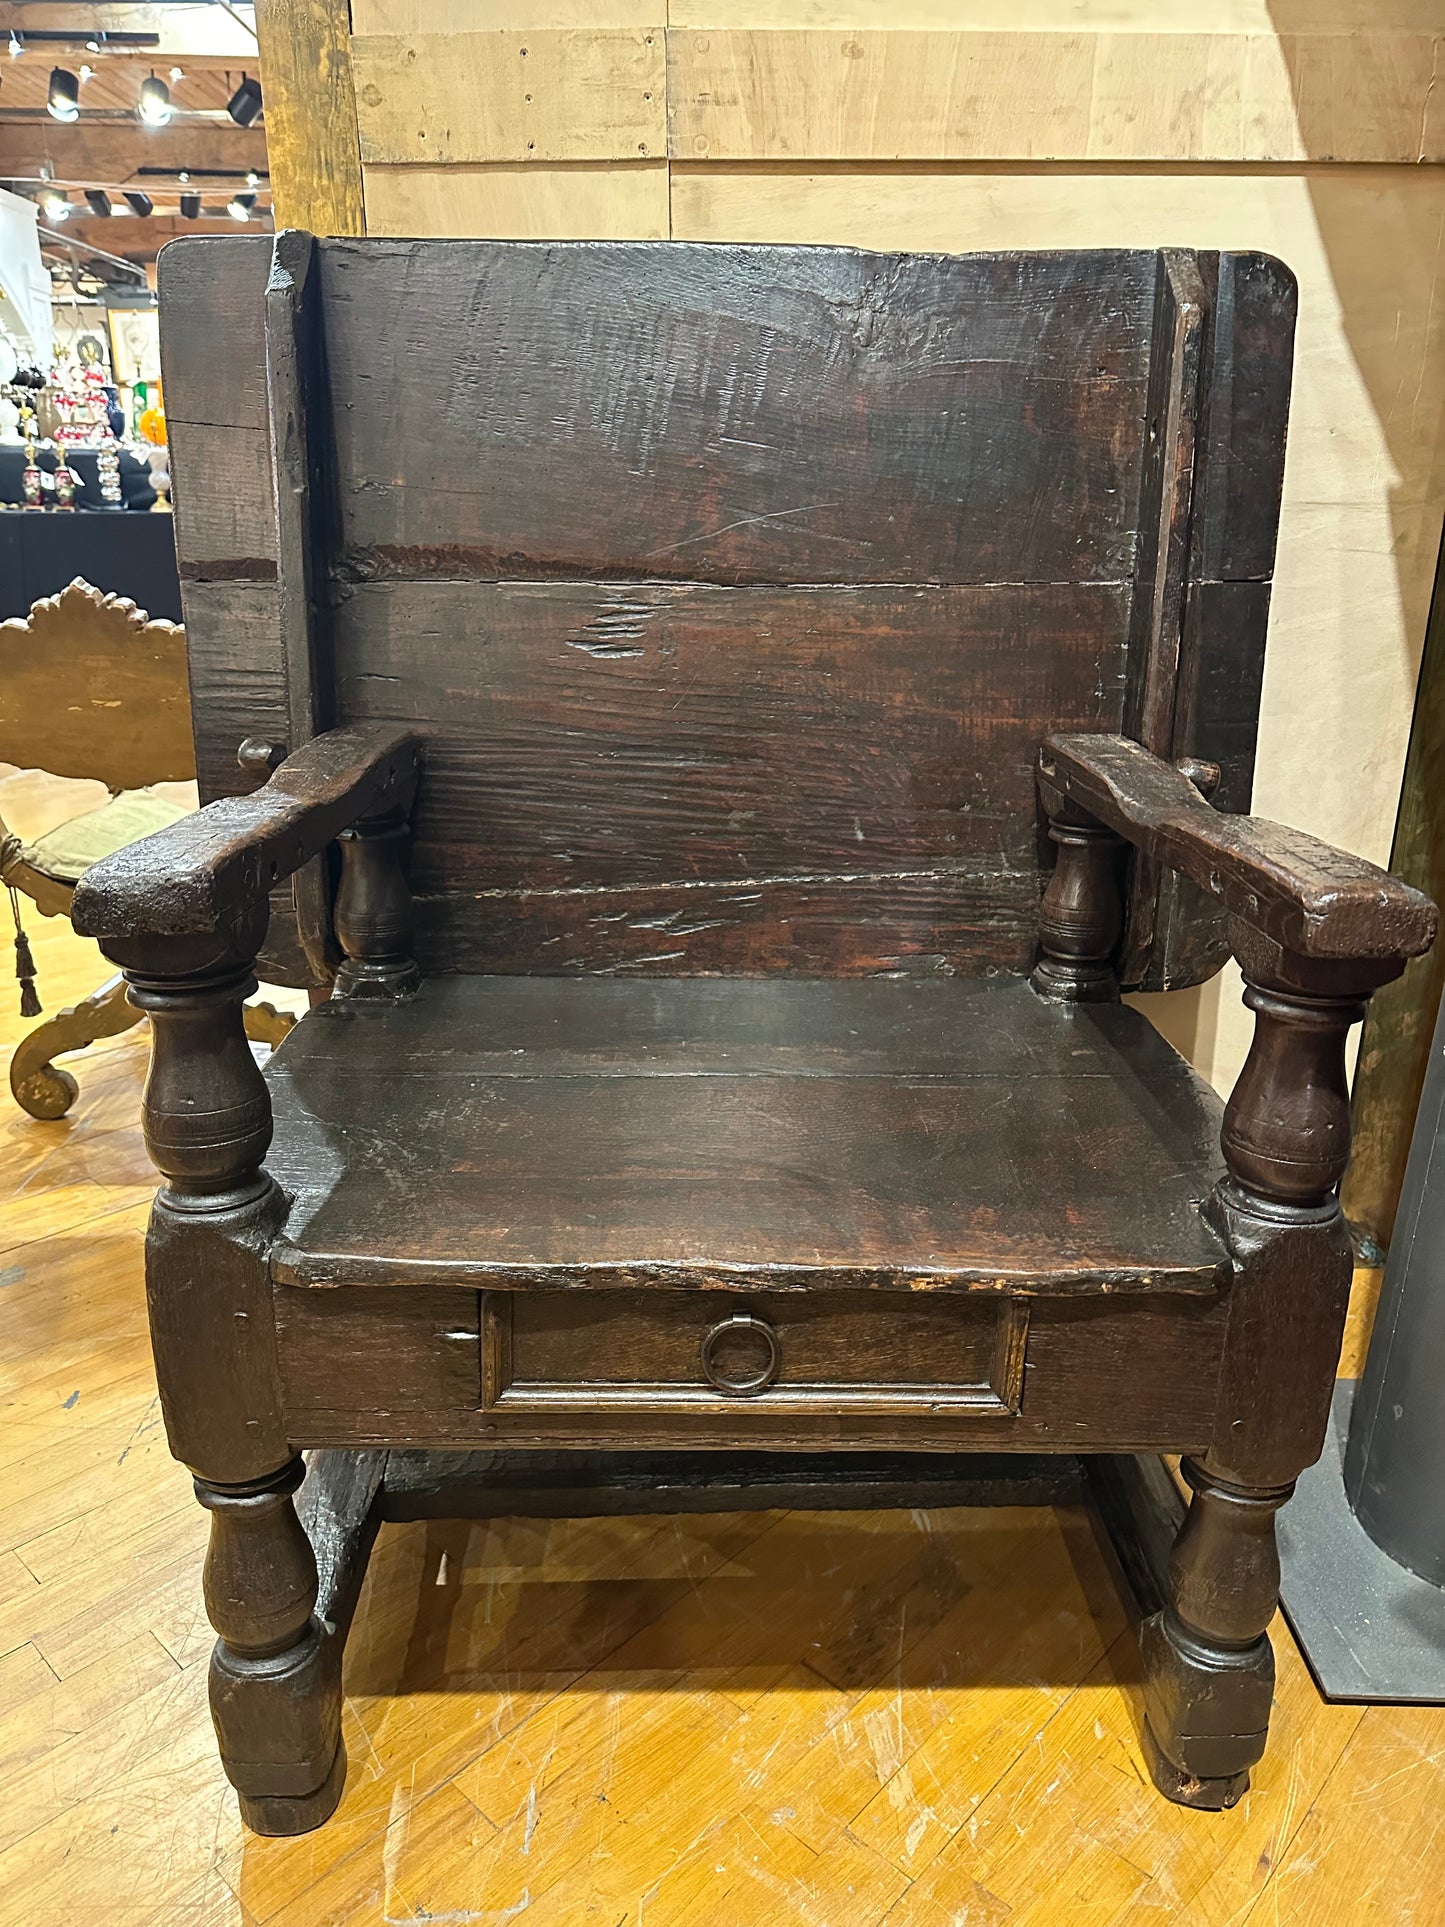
(734, 586)
(91, 687)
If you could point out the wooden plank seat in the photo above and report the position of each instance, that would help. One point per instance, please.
(725, 725)
(541, 1133)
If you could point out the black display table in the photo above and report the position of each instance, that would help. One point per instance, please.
(124, 551)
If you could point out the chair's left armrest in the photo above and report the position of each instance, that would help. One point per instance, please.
(211, 873)
(1308, 898)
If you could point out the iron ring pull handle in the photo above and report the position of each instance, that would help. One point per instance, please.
(741, 1323)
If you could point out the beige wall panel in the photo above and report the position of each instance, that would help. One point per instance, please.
(905, 94)
(1052, 16)
(1365, 477)
(552, 95)
(521, 201)
(474, 16)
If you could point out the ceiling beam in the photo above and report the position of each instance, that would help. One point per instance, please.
(108, 154)
(191, 32)
(141, 240)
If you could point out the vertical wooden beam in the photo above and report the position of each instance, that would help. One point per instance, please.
(1395, 1047)
(1161, 579)
(298, 436)
(311, 133)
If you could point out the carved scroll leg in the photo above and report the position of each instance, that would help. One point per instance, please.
(39, 1086)
(276, 1671)
(1208, 1663)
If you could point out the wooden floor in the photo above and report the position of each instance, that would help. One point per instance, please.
(827, 1719)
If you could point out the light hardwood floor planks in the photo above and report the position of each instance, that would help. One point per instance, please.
(813, 1718)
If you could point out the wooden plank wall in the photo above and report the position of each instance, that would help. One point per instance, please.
(953, 124)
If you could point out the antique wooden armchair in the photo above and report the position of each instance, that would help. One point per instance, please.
(733, 642)
(91, 686)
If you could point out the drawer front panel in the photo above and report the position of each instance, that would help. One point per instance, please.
(835, 1352)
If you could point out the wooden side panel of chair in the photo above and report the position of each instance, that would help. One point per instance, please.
(89, 687)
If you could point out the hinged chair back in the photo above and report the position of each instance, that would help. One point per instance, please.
(735, 587)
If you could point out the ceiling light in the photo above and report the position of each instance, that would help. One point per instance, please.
(87, 73)
(99, 200)
(92, 46)
(239, 206)
(140, 203)
(190, 205)
(245, 104)
(252, 178)
(155, 102)
(63, 100)
(55, 206)
(178, 73)
(184, 175)
(16, 45)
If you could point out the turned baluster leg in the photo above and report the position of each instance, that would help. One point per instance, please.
(373, 916)
(275, 1675)
(1208, 1665)
(1082, 916)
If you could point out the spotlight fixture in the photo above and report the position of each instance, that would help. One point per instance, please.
(183, 176)
(252, 178)
(54, 206)
(141, 204)
(155, 102)
(63, 100)
(245, 103)
(16, 45)
(178, 73)
(239, 206)
(190, 206)
(99, 201)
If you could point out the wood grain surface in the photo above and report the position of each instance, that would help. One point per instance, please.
(695, 1134)
(874, 524)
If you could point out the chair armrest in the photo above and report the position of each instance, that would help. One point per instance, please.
(213, 871)
(1303, 895)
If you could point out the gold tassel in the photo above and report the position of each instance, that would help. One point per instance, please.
(30, 1005)
(25, 971)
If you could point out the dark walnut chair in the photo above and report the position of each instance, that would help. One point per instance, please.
(90, 686)
(746, 713)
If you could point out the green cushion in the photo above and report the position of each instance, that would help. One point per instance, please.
(67, 851)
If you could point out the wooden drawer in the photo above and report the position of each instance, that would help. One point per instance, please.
(784, 1353)
(432, 1365)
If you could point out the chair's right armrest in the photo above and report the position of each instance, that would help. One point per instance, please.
(210, 874)
(1314, 930)
(184, 914)
(1310, 899)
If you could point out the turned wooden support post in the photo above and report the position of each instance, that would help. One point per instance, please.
(275, 1674)
(1286, 1135)
(1209, 1667)
(373, 916)
(275, 1680)
(1082, 916)
(206, 1112)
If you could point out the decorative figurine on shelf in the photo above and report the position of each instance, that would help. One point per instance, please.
(108, 463)
(32, 482)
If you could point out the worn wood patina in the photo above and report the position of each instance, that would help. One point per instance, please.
(749, 713)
